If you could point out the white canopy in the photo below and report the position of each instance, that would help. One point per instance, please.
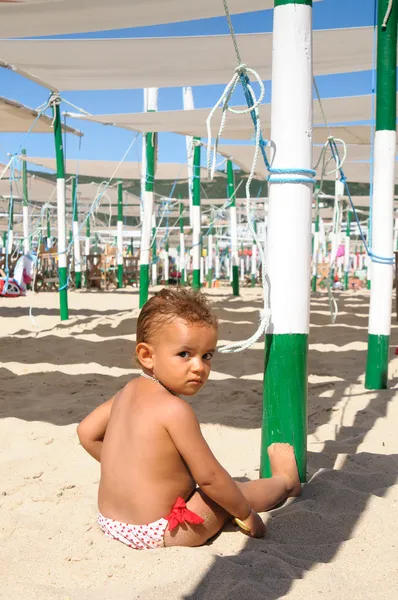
(94, 64)
(193, 122)
(15, 118)
(108, 168)
(50, 17)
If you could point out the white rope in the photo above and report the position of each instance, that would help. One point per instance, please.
(387, 15)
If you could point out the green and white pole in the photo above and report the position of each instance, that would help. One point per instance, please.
(315, 254)
(49, 241)
(254, 258)
(76, 237)
(242, 263)
(87, 248)
(151, 101)
(154, 253)
(188, 103)
(383, 197)
(210, 251)
(347, 250)
(234, 230)
(196, 218)
(368, 262)
(120, 234)
(289, 234)
(61, 216)
(25, 209)
(182, 247)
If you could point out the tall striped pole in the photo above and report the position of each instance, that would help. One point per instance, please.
(234, 229)
(87, 249)
(315, 254)
(119, 234)
(25, 209)
(76, 237)
(182, 247)
(196, 217)
(210, 257)
(62, 258)
(254, 258)
(148, 199)
(154, 253)
(383, 198)
(289, 234)
(188, 103)
(347, 250)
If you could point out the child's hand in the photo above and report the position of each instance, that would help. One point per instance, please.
(256, 525)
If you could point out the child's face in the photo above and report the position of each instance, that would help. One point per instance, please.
(181, 354)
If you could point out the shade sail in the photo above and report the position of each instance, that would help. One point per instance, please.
(193, 122)
(50, 17)
(167, 62)
(16, 118)
(108, 168)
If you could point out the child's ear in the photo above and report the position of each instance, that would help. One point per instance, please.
(144, 354)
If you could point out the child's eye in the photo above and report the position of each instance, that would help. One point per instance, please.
(183, 354)
(208, 356)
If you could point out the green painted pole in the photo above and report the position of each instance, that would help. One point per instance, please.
(120, 274)
(234, 229)
(62, 257)
(376, 376)
(25, 208)
(182, 246)
(76, 237)
(148, 198)
(347, 250)
(289, 235)
(196, 217)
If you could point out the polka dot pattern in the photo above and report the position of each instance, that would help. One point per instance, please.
(139, 537)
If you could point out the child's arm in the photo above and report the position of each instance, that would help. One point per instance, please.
(91, 430)
(212, 478)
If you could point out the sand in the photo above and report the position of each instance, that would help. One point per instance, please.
(339, 540)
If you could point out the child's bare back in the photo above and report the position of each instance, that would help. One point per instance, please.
(142, 473)
(161, 485)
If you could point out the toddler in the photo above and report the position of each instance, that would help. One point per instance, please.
(160, 483)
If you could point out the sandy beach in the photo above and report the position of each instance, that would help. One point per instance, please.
(338, 541)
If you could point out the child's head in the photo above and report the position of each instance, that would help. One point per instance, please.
(176, 339)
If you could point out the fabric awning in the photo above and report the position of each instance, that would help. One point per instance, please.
(106, 168)
(17, 118)
(51, 17)
(100, 64)
(193, 122)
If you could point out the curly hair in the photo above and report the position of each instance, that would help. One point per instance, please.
(171, 303)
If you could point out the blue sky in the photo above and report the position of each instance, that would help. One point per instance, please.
(109, 143)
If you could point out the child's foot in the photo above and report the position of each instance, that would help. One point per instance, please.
(283, 464)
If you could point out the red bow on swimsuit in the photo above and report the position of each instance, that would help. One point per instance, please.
(181, 514)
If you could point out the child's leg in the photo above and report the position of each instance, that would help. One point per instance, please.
(262, 495)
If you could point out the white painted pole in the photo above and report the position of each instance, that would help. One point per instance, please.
(289, 234)
(188, 104)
